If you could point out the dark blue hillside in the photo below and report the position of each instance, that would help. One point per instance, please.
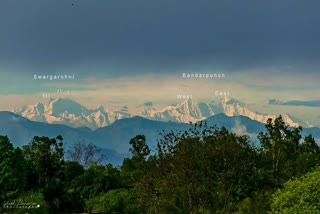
(114, 139)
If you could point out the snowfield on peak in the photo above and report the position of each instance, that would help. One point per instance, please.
(70, 112)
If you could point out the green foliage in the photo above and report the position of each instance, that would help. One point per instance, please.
(134, 168)
(72, 169)
(300, 195)
(200, 170)
(13, 170)
(91, 183)
(309, 156)
(281, 143)
(45, 158)
(114, 201)
(46, 168)
(206, 168)
(139, 147)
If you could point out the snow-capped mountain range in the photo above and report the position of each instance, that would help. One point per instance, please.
(71, 113)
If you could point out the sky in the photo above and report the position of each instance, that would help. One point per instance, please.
(133, 52)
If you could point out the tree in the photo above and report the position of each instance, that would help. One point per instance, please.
(139, 148)
(282, 144)
(300, 195)
(72, 169)
(133, 168)
(201, 170)
(46, 168)
(71, 200)
(283, 154)
(91, 183)
(309, 156)
(13, 170)
(137, 174)
(85, 154)
(114, 201)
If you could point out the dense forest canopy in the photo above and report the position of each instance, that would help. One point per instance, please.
(200, 170)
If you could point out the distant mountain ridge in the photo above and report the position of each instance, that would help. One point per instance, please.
(114, 139)
(71, 113)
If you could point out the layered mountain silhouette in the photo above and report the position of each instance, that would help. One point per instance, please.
(114, 139)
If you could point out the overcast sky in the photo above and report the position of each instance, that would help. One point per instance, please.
(267, 49)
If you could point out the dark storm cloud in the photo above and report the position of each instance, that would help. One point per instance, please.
(159, 34)
(310, 103)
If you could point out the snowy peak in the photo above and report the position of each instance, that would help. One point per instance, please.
(191, 111)
(70, 112)
(234, 107)
(190, 107)
(186, 111)
(299, 121)
(65, 106)
(100, 109)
